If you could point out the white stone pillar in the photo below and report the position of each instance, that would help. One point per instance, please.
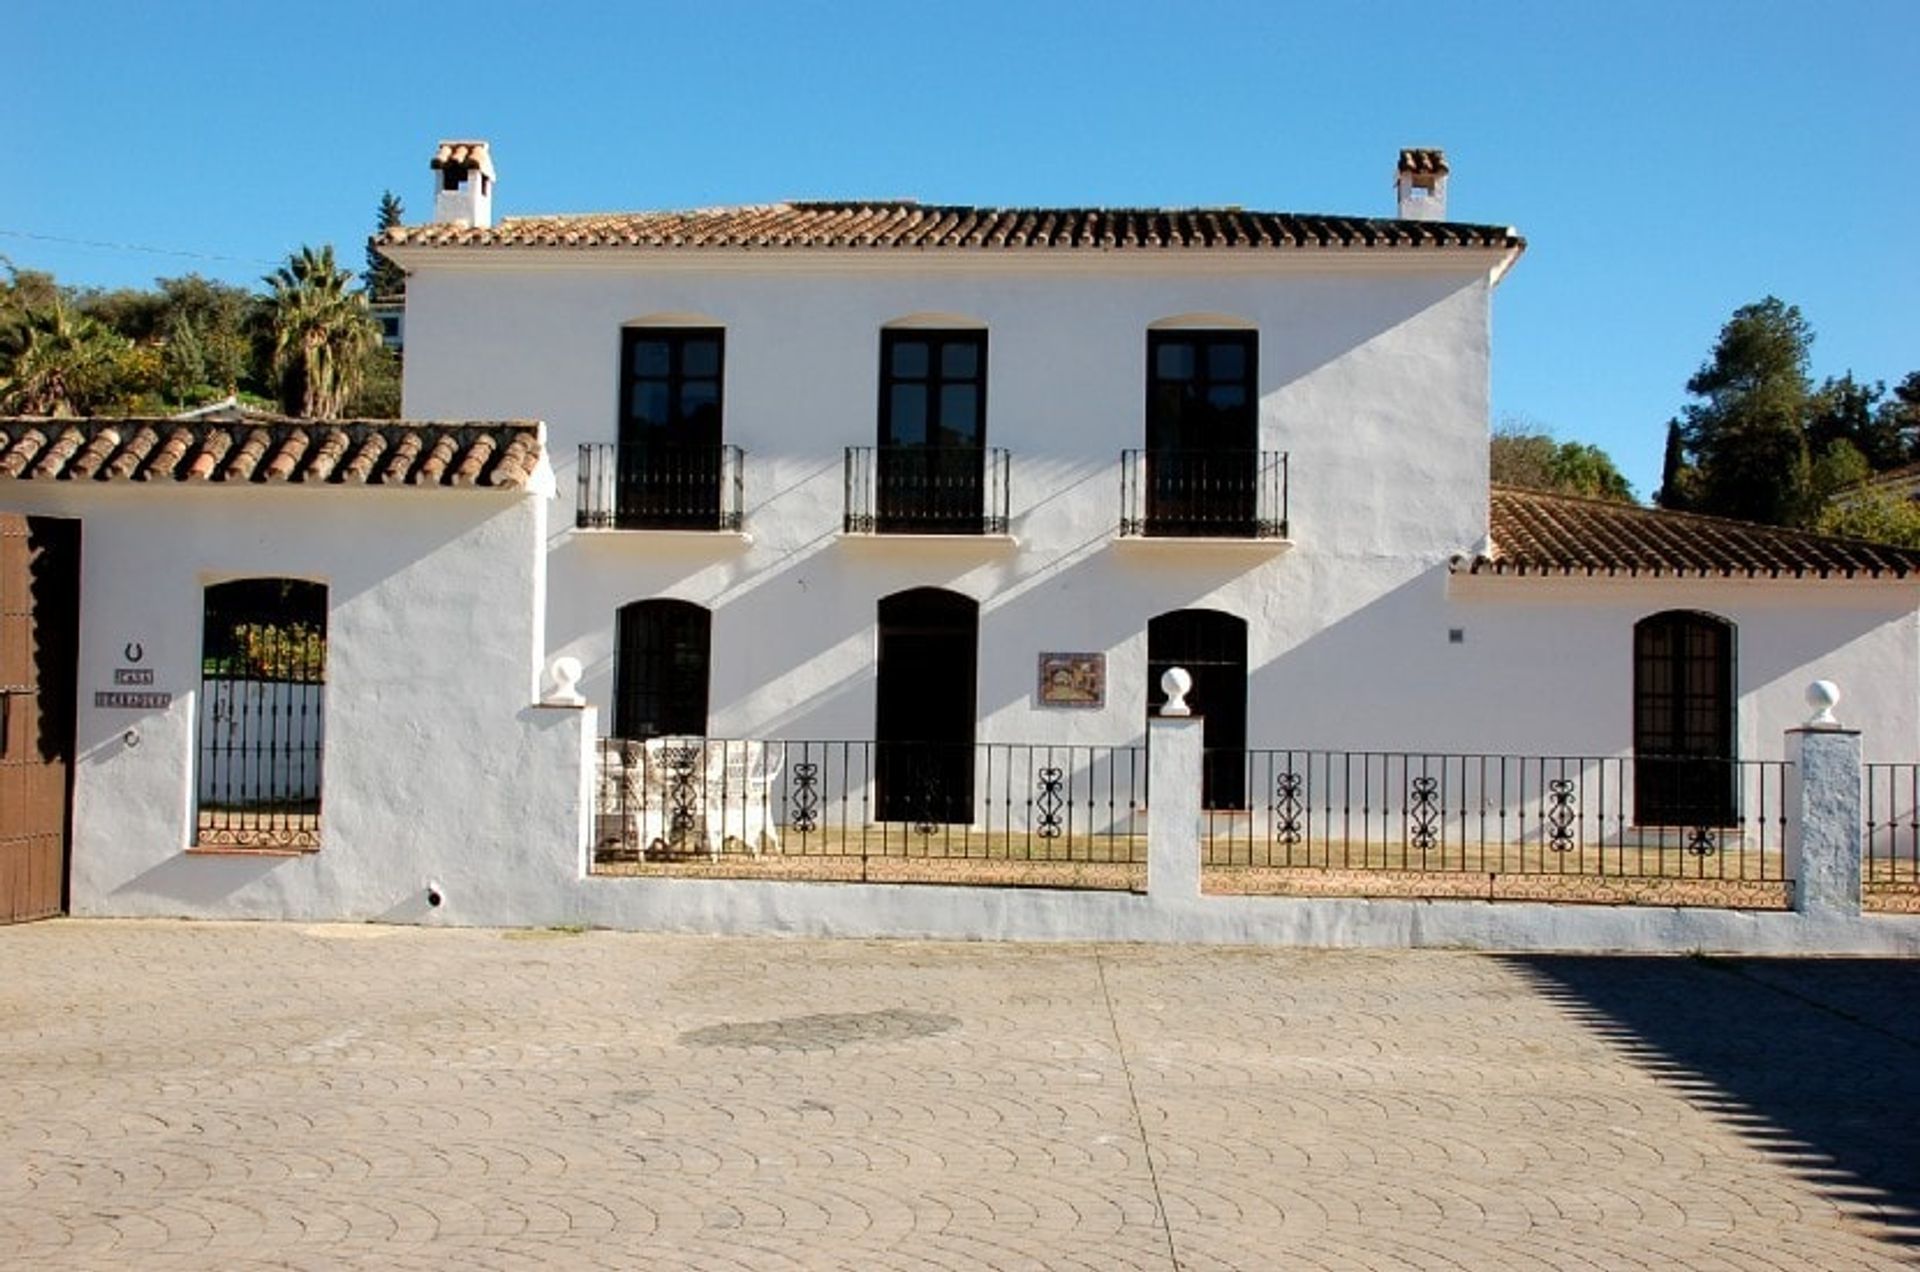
(1824, 839)
(1174, 770)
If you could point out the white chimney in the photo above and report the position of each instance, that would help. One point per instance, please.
(463, 184)
(1421, 184)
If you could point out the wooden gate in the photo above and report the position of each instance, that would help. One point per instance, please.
(39, 628)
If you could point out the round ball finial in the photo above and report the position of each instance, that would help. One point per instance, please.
(1176, 683)
(1822, 697)
(566, 672)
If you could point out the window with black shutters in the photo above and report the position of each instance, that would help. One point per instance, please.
(661, 670)
(670, 427)
(1683, 725)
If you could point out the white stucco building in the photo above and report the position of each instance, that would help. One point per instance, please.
(902, 480)
(1254, 443)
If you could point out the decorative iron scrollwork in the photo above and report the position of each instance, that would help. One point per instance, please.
(931, 799)
(1425, 812)
(684, 793)
(1286, 808)
(1050, 802)
(1703, 842)
(805, 818)
(1561, 814)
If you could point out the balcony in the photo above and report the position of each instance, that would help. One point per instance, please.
(1203, 494)
(926, 490)
(660, 488)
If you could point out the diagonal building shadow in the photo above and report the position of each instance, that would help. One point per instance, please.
(1814, 1063)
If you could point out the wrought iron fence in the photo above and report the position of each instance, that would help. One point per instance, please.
(1008, 813)
(1204, 494)
(1500, 816)
(926, 490)
(1890, 873)
(660, 487)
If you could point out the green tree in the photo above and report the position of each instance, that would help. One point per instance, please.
(383, 279)
(379, 395)
(1844, 409)
(1900, 414)
(64, 363)
(1522, 453)
(1745, 436)
(1879, 515)
(321, 332)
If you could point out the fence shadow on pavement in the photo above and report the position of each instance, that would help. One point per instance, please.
(1814, 1063)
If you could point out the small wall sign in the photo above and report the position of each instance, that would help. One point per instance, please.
(1073, 680)
(133, 675)
(132, 701)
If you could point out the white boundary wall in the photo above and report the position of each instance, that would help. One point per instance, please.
(437, 762)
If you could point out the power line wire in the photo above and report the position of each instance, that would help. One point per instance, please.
(134, 247)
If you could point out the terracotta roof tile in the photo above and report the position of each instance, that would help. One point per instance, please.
(906, 224)
(1535, 533)
(463, 154)
(1418, 160)
(255, 451)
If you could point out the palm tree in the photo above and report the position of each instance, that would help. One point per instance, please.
(322, 333)
(66, 363)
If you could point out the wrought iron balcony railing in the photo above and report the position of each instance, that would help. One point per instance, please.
(657, 487)
(926, 490)
(1203, 494)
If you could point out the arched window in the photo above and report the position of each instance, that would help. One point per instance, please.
(263, 672)
(1683, 736)
(924, 708)
(1212, 646)
(661, 668)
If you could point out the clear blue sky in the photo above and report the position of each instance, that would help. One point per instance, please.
(1667, 161)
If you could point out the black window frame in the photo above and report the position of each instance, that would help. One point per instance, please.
(931, 484)
(654, 695)
(1685, 720)
(1201, 478)
(671, 475)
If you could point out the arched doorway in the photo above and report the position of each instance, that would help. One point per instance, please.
(660, 670)
(1683, 737)
(924, 709)
(1212, 646)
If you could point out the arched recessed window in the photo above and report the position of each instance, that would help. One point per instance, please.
(924, 709)
(1212, 646)
(1683, 728)
(263, 672)
(661, 669)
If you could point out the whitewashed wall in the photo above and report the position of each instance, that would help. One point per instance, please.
(1547, 664)
(1373, 374)
(437, 764)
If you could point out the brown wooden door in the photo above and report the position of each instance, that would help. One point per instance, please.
(39, 628)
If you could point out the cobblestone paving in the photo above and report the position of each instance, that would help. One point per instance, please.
(179, 1095)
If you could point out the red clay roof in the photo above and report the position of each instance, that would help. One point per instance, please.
(499, 456)
(906, 224)
(1420, 161)
(1535, 533)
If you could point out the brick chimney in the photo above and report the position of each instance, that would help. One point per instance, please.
(463, 184)
(1421, 184)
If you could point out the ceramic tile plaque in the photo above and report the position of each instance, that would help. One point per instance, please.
(1073, 680)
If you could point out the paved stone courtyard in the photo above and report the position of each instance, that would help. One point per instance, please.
(178, 1095)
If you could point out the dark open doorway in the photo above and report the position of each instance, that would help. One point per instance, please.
(1213, 648)
(924, 716)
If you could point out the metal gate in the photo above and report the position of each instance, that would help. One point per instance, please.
(39, 629)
